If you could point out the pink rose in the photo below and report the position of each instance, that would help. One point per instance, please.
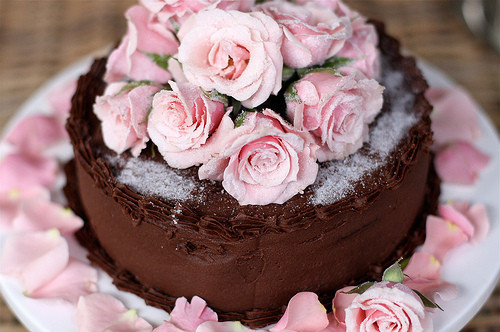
(263, 161)
(123, 116)
(312, 34)
(143, 36)
(387, 306)
(181, 122)
(180, 10)
(336, 109)
(238, 54)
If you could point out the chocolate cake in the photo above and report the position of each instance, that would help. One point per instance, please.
(161, 232)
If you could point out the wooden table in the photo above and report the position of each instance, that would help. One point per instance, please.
(40, 38)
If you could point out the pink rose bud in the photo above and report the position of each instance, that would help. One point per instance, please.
(312, 34)
(123, 113)
(263, 161)
(336, 109)
(181, 122)
(143, 37)
(237, 54)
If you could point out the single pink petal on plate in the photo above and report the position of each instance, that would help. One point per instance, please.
(189, 316)
(450, 213)
(60, 99)
(476, 215)
(340, 302)
(39, 214)
(76, 280)
(11, 201)
(460, 163)
(442, 236)
(212, 326)
(36, 133)
(21, 171)
(433, 288)
(455, 116)
(98, 312)
(34, 258)
(423, 265)
(304, 313)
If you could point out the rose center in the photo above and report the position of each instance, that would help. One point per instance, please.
(231, 59)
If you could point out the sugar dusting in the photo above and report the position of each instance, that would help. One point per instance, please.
(337, 178)
(153, 178)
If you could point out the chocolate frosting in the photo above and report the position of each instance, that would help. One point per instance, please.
(247, 261)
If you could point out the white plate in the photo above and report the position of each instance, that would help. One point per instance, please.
(475, 270)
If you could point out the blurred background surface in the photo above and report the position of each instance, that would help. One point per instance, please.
(39, 38)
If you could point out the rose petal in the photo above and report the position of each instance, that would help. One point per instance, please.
(21, 171)
(423, 265)
(304, 313)
(188, 316)
(41, 214)
(473, 220)
(11, 201)
(433, 288)
(100, 312)
(460, 163)
(442, 236)
(455, 116)
(36, 133)
(60, 99)
(34, 258)
(223, 327)
(75, 280)
(340, 302)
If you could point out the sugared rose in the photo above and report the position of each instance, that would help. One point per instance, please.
(336, 109)
(123, 114)
(263, 161)
(312, 34)
(181, 121)
(238, 54)
(387, 306)
(179, 11)
(143, 37)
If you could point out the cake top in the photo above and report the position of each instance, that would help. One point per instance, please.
(256, 94)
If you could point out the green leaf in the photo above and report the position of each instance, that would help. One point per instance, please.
(404, 263)
(336, 62)
(161, 60)
(428, 303)
(291, 94)
(236, 105)
(394, 273)
(133, 85)
(216, 96)
(287, 73)
(240, 119)
(360, 289)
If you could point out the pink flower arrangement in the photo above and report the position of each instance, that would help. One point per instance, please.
(226, 59)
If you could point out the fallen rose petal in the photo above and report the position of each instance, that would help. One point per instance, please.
(34, 258)
(423, 265)
(36, 133)
(433, 288)
(21, 171)
(75, 280)
(460, 163)
(472, 220)
(41, 214)
(60, 99)
(455, 116)
(189, 316)
(212, 326)
(442, 236)
(304, 313)
(100, 312)
(10, 203)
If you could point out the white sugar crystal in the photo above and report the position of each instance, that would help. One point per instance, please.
(153, 178)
